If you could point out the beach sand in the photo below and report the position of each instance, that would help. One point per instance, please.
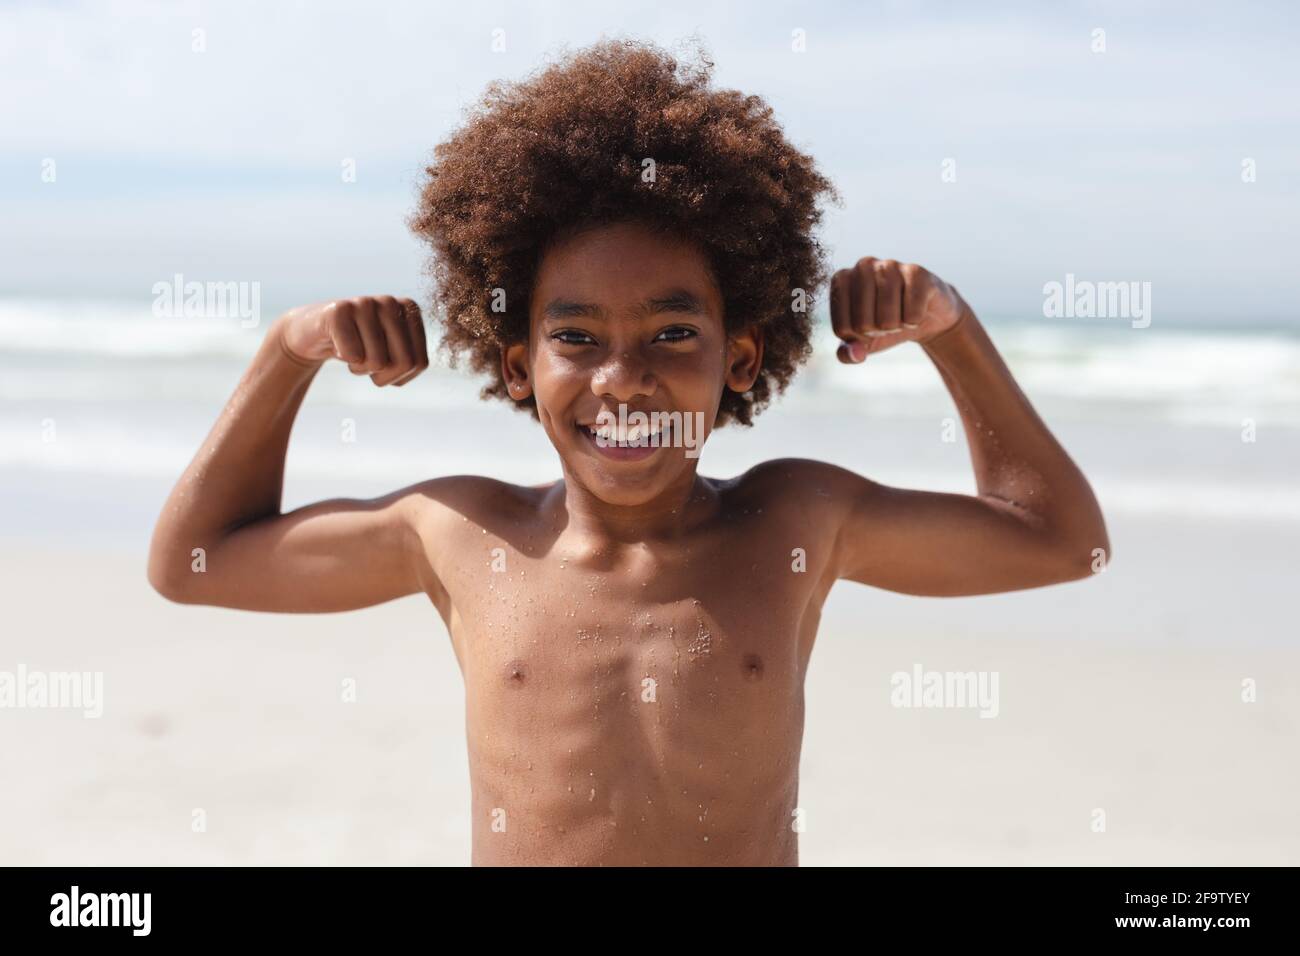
(1122, 694)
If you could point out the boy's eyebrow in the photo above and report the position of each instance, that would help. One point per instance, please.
(678, 300)
(675, 300)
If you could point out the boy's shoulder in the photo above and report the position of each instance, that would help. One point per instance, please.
(794, 477)
(801, 487)
(473, 502)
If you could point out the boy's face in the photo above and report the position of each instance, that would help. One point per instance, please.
(621, 315)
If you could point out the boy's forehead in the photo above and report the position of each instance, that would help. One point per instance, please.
(623, 261)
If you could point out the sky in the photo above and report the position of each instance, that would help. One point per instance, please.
(1121, 164)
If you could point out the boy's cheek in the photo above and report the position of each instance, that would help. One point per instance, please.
(549, 424)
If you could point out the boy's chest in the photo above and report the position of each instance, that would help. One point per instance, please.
(694, 626)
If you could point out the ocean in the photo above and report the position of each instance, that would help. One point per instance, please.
(102, 404)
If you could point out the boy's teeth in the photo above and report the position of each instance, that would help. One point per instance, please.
(629, 435)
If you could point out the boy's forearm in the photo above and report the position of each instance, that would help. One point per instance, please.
(1015, 457)
(237, 476)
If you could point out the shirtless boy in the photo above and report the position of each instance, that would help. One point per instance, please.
(634, 636)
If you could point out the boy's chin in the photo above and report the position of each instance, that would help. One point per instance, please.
(629, 487)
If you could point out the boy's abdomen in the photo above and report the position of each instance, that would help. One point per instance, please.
(661, 735)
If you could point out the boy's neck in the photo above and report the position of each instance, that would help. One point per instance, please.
(679, 507)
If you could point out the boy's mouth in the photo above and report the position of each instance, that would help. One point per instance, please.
(633, 443)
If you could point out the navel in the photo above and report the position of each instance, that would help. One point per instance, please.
(752, 667)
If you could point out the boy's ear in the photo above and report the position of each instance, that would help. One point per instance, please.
(744, 358)
(514, 369)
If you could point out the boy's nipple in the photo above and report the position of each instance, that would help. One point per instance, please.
(516, 673)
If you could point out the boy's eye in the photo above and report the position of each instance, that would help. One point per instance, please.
(573, 337)
(678, 333)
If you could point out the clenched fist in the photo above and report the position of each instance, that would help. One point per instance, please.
(379, 336)
(879, 302)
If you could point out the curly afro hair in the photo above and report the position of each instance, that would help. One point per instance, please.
(567, 148)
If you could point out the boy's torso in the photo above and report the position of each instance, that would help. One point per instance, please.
(640, 705)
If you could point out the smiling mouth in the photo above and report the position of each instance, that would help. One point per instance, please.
(632, 444)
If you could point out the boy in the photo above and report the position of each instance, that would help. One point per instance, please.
(613, 236)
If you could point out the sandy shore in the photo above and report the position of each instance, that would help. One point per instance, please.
(1121, 694)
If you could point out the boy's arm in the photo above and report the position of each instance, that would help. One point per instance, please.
(1034, 520)
(331, 556)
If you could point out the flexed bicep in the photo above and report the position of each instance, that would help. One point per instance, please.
(334, 555)
(941, 544)
(221, 537)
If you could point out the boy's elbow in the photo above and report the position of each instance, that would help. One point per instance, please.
(1084, 556)
(167, 586)
(174, 584)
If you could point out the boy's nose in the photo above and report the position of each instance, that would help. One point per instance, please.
(623, 377)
